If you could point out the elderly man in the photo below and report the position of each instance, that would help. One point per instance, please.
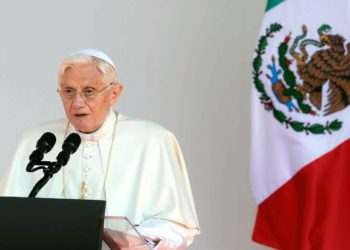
(136, 166)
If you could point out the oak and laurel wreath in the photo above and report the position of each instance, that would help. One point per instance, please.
(297, 126)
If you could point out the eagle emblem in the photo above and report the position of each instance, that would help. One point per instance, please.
(296, 81)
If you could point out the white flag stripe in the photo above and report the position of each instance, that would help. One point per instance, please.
(279, 153)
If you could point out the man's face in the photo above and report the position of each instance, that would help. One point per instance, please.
(87, 115)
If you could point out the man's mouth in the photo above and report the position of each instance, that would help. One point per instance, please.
(80, 115)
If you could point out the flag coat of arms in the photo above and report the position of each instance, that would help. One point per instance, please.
(300, 153)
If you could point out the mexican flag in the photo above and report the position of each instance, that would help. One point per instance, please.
(300, 153)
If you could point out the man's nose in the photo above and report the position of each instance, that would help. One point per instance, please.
(78, 101)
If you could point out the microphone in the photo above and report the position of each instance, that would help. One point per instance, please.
(70, 145)
(43, 145)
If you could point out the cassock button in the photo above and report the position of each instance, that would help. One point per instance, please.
(87, 157)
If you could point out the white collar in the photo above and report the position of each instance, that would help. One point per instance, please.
(105, 130)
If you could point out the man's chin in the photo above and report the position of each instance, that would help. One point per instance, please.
(82, 127)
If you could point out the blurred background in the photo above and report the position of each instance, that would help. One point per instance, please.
(185, 64)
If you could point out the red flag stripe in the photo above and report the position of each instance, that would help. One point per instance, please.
(311, 210)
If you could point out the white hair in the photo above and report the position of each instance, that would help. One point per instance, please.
(108, 71)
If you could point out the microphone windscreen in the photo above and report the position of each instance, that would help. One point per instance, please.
(72, 142)
(43, 145)
(47, 141)
(69, 146)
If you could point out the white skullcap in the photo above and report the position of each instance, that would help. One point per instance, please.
(97, 54)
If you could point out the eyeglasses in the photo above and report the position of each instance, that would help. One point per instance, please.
(87, 94)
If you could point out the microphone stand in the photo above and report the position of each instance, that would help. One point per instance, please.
(49, 171)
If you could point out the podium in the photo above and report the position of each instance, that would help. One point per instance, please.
(56, 224)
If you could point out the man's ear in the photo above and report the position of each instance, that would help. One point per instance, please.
(117, 90)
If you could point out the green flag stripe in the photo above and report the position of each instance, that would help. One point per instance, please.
(272, 3)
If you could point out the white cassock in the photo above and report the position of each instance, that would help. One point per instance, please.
(136, 166)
